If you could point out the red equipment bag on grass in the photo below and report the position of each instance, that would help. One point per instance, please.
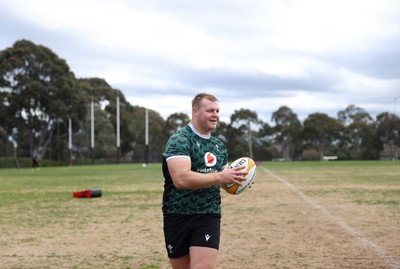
(88, 193)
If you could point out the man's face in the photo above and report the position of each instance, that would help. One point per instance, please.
(207, 115)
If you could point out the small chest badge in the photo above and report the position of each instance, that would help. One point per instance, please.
(210, 159)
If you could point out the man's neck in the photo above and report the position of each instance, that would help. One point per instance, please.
(196, 131)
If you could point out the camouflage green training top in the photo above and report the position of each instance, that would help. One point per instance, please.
(208, 155)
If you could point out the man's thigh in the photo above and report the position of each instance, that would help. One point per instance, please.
(203, 257)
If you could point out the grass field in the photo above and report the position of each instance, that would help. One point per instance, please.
(296, 215)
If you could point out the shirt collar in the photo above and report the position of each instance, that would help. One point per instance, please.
(197, 132)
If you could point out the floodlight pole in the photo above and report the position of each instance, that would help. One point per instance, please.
(146, 139)
(70, 141)
(118, 130)
(92, 130)
(250, 140)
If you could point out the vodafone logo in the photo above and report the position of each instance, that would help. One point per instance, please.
(210, 159)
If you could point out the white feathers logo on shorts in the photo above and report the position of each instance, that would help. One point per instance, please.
(210, 159)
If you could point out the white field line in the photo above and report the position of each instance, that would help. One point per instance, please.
(350, 230)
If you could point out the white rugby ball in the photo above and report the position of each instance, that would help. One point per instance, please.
(250, 168)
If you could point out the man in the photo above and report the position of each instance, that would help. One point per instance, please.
(35, 163)
(195, 164)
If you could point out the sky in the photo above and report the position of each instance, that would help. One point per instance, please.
(310, 55)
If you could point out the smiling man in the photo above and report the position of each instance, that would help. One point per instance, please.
(194, 165)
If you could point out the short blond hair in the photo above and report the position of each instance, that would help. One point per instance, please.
(200, 96)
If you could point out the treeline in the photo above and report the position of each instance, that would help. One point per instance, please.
(40, 96)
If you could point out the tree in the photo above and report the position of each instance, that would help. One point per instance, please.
(388, 132)
(38, 91)
(360, 140)
(104, 97)
(245, 121)
(175, 121)
(353, 114)
(6, 147)
(320, 131)
(287, 131)
(104, 134)
(157, 136)
(132, 121)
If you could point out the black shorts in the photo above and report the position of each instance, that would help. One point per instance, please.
(184, 231)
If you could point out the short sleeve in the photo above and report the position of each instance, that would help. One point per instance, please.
(177, 145)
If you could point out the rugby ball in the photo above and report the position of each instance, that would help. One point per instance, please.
(250, 168)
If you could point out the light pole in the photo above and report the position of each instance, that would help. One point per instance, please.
(146, 137)
(92, 130)
(70, 141)
(118, 129)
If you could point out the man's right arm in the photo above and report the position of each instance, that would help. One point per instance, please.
(184, 178)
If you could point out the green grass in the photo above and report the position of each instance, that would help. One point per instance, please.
(370, 172)
(52, 187)
(49, 192)
(363, 182)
